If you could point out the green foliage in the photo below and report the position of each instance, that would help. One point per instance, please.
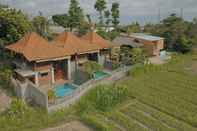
(17, 108)
(90, 67)
(132, 55)
(20, 117)
(183, 45)
(137, 56)
(100, 6)
(41, 26)
(107, 17)
(51, 95)
(179, 34)
(5, 75)
(103, 98)
(75, 14)
(107, 98)
(61, 20)
(115, 14)
(14, 24)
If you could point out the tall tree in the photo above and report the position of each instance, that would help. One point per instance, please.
(75, 14)
(100, 6)
(41, 25)
(61, 20)
(107, 17)
(115, 14)
(13, 25)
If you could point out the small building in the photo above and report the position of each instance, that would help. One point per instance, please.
(152, 45)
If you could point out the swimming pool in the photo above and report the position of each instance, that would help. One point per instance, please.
(64, 90)
(100, 74)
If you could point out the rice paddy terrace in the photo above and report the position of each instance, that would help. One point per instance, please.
(164, 98)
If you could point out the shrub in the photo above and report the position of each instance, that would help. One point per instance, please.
(90, 67)
(17, 108)
(103, 98)
(51, 95)
(183, 45)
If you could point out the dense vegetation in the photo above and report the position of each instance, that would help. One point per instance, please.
(179, 34)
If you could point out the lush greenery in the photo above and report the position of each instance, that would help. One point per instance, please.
(14, 24)
(91, 67)
(41, 26)
(21, 117)
(157, 97)
(179, 34)
(131, 56)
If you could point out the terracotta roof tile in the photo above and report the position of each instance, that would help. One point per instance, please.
(94, 38)
(72, 43)
(33, 47)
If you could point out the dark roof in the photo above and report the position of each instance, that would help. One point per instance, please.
(126, 40)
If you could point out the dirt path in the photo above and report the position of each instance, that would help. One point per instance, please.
(72, 126)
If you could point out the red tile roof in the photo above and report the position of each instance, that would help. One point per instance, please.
(96, 39)
(70, 42)
(33, 47)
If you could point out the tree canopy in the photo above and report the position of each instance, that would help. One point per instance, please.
(100, 6)
(41, 26)
(13, 25)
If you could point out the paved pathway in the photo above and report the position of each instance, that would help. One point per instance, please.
(72, 126)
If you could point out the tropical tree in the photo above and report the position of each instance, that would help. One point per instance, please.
(75, 14)
(90, 67)
(13, 25)
(115, 14)
(41, 25)
(100, 6)
(107, 17)
(61, 20)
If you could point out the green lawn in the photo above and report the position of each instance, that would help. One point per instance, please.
(152, 98)
(163, 98)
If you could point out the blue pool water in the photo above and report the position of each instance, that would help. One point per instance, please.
(64, 90)
(100, 74)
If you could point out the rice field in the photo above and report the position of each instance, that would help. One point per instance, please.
(164, 98)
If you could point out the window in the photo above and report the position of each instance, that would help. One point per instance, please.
(44, 74)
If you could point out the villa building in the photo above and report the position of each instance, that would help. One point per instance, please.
(35, 60)
(44, 64)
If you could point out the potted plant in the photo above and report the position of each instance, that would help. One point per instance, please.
(51, 96)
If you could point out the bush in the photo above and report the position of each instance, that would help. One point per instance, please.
(103, 98)
(51, 95)
(90, 67)
(17, 108)
(183, 45)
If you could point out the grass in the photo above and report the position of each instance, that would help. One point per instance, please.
(160, 98)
